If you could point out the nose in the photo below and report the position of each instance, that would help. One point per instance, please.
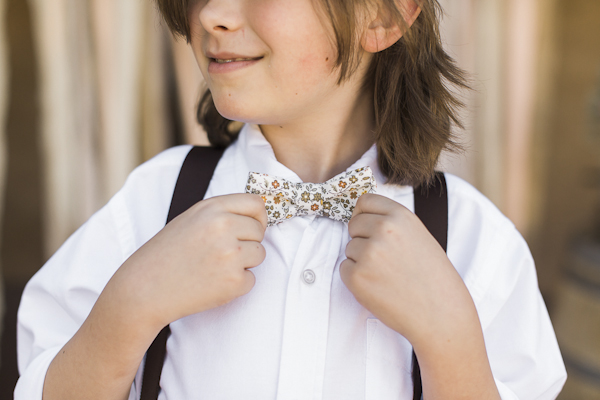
(221, 16)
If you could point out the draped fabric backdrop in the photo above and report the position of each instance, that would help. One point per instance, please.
(102, 68)
(3, 107)
(497, 42)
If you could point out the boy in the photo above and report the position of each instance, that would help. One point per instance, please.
(328, 310)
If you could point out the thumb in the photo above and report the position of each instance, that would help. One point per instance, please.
(370, 203)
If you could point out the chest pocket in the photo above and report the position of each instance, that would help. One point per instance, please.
(388, 363)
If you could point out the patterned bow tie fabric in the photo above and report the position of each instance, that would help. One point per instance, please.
(335, 198)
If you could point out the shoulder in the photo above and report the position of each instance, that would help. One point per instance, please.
(140, 207)
(485, 247)
(468, 203)
(165, 164)
(155, 179)
(469, 209)
(161, 171)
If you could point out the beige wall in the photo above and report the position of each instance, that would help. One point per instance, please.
(567, 159)
(535, 65)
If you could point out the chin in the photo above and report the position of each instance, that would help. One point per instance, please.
(239, 112)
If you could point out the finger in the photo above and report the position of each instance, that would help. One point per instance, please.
(365, 225)
(246, 228)
(371, 203)
(250, 205)
(252, 254)
(249, 282)
(355, 248)
(346, 268)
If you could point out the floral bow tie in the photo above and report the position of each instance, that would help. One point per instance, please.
(335, 198)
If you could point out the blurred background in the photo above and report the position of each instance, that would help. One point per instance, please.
(89, 89)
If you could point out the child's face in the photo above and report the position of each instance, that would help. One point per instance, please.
(288, 58)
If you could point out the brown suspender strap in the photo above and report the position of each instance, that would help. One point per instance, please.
(155, 358)
(196, 173)
(431, 206)
(192, 183)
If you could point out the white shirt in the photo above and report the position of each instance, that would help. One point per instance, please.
(289, 339)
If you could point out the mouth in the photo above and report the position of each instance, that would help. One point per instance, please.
(224, 62)
(231, 60)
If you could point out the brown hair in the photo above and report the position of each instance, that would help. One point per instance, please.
(414, 107)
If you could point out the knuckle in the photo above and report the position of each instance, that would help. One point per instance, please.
(234, 279)
(353, 280)
(220, 224)
(386, 225)
(229, 253)
(249, 281)
(256, 202)
(259, 231)
(262, 253)
(378, 248)
(352, 226)
(371, 250)
(362, 199)
(345, 272)
(367, 246)
(350, 249)
(210, 206)
(401, 213)
(346, 268)
(245, 284)
(370, 257)
(365, 197)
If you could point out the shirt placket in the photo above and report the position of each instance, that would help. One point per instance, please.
(306, 319)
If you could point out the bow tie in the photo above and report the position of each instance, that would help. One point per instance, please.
(335, 198)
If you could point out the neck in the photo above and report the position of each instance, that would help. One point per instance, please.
(328, 142)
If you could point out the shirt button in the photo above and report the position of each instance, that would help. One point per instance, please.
(309, 276)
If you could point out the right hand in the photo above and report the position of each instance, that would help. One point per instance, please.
(198, 261)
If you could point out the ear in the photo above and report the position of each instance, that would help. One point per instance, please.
(383, 31)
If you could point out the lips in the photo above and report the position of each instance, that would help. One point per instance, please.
(229, 57)
(224, 62)
(230, 60)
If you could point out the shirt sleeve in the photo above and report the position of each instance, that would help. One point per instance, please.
(57, 300)
(497, 267)
(520, 341)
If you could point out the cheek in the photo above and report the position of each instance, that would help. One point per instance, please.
(306, 67)
(300, 45)
(197, 34)
(314, 70)
(317, 61)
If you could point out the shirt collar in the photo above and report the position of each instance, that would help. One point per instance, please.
(259, 156)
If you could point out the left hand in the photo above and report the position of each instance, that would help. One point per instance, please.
(399, 272)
